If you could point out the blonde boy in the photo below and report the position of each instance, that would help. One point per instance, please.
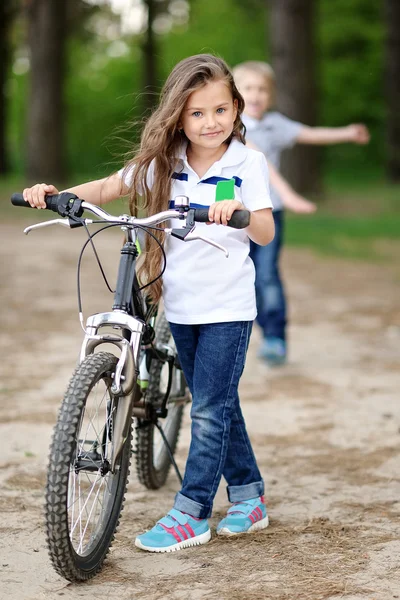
(271, 132)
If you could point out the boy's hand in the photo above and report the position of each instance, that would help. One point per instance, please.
(220, 212)
(36, 194)
(358, 133)
(298, 204)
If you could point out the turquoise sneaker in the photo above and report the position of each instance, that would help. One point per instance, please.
(273, 351)
(244, 517)
(175, 531)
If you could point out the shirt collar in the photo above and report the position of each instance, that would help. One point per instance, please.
(235, 154)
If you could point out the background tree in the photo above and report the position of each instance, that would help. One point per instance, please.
(392, 9)
(47, 25)
(149, 48)
(8, 10)
(292, 41)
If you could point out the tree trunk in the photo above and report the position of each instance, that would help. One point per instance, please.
(45, 137)
(291, 25)
(392, 10)
(7, 13)
(149, 52)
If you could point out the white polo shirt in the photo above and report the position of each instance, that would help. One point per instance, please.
(201, 285)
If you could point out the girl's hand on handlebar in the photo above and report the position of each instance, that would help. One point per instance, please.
(35, 195)
(220, 212)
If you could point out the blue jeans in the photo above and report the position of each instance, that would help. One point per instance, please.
(212, 357)
(270, 294)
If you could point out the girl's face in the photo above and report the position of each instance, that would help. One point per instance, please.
(209, 114)
(256, 93)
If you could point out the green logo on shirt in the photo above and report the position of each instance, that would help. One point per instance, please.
(225, 190)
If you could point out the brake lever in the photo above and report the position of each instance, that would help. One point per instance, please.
(190, 236)
(196, 236)
(71, 223)
(64, 222)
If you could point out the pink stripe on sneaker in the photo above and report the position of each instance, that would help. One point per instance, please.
(172, 531)
(259, 513)
(182, 532)
(190, 530)
(254, 513)
(252, 519)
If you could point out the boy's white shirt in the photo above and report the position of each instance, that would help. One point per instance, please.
(272, 134)
(201, 285)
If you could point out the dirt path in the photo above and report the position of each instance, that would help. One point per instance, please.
(326, 430)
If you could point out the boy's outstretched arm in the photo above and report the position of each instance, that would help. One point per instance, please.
(290, 198)
(356, 133)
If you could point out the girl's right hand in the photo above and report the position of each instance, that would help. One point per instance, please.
(35, 195)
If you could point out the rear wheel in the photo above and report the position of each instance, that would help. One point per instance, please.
(84, 498)
(152, 458)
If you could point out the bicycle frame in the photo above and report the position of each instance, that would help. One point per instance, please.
(119, 318)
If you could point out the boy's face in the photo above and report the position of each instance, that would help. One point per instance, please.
(256, 93)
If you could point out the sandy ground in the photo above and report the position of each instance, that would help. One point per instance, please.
(326, 431)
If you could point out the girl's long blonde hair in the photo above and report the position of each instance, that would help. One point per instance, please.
(161, 142)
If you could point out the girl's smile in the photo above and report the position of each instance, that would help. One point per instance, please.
(212, 134)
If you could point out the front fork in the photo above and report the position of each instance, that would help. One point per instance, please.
(125, 375)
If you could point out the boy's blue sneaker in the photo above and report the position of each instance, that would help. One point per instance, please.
(175, 531)
(244, 517)
(273, 350)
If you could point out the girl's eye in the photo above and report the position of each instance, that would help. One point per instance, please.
(220, 110)
(196, 114)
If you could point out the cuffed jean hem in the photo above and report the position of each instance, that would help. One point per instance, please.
(191, 507)
(239, 493)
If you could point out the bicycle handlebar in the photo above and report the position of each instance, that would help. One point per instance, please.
(68, 204)
(51, 201)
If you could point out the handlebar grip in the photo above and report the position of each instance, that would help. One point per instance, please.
(65, 204)
(239, 219)
(51, 201)
(18, 200)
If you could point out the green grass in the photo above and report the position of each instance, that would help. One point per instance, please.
(368, 238)
(355, 219)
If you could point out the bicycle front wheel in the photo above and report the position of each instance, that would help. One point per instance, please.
(84, 498)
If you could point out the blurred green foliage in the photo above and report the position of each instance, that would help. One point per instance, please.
(351, 36)
(104, 90)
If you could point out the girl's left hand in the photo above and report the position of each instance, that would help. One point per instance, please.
(220, 212)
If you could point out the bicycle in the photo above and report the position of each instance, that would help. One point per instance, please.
(90, 452)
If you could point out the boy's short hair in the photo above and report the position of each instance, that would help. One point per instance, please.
(259, 67)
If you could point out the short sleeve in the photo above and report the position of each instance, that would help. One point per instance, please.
(255, 184)
(126, 174)
(285, 131)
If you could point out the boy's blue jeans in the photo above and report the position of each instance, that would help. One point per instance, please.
(212, 357)
(270, 294)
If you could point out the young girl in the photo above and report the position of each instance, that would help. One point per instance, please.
(191, 142)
